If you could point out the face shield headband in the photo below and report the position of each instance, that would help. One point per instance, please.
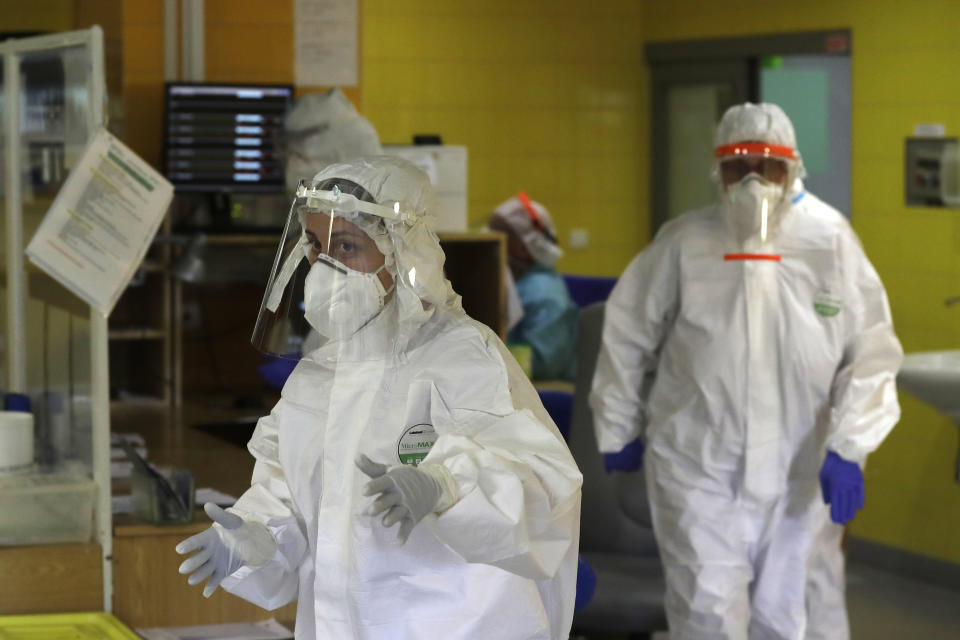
(338, 203)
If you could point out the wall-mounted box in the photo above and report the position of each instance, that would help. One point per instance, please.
(932, 172)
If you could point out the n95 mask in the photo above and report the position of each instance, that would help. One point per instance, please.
(753, 207)
(339, 301)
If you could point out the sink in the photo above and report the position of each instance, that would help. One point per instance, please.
(934, 377)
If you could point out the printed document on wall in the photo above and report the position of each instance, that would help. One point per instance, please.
(102, 222)
(325, 34)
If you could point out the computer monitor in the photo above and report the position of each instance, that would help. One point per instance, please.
(225, 138)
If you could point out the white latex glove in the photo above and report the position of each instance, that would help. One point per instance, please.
(227, 545)
(407, 494)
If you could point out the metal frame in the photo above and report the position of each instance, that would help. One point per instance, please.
(12, 51)
(171, 60)
(737, 73)
(834, 41)
(192, 61)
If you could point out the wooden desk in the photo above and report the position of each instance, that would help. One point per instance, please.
(172, 439)
(148, 591)
(50, 578)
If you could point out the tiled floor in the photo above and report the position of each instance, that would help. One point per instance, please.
(884, 605)
(887, 606)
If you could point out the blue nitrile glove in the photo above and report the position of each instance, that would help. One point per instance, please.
(586, 584)
(276, 370)
(630, 458)
(842, 485)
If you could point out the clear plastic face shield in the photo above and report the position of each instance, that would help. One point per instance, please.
(754, 180)
(331, 278)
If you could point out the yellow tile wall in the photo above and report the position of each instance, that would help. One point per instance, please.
(252, 41)
(548, 97)
(41, 15)
(547, 100)
(904, 61)
(246, 41)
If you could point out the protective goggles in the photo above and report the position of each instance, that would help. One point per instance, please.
(772, 162)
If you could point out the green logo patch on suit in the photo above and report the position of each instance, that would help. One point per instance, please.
(415, 444)
(826, 305)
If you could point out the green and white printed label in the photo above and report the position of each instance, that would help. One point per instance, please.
(415, 444)
(827, 305)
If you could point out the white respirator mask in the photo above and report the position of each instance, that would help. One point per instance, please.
(753, 207)
(338, 300)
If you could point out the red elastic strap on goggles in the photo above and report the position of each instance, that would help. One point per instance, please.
(755, 149)
(537, 222)
(525, 201)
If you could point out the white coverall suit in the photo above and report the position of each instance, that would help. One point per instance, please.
(500, 562)
(761, 366)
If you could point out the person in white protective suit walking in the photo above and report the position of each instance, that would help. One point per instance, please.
(771, 340)
(408, 412)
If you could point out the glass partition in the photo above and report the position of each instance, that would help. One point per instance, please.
(53, 348)
(53, 105)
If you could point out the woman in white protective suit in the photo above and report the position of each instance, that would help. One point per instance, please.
(408, 413)
(770, 337)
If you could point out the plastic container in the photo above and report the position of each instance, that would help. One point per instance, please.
(16, 442)
(155, 506)
(46, 508)
(16, 434)
(65, 626)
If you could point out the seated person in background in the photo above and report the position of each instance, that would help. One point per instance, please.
(549, 321)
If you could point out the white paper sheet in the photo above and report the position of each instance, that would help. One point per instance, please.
(121, 504)
(133, 438)
(117, 454)
(120, 470)
(102, 222)
(264, 630)
(325, 34)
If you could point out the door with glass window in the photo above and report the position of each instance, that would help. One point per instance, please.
(693, 82)
(688, 100)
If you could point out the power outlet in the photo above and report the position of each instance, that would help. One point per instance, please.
(190, 315)
(579, 238)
